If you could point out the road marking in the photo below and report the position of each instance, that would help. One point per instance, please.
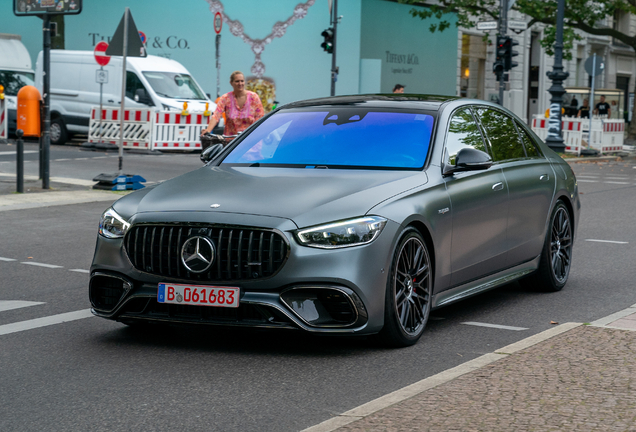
(61, 160)
(615, 182)
(79, 270)
(586, 181)
(497, 326)
(2, 153)
(44, 322)
(606, 241)
(6, 305)
(41, 264)
(6, 259)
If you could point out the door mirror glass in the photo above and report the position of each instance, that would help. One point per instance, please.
(211, 152)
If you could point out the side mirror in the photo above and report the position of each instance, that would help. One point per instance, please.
(142, 97)
(469, 159)
(211, 152)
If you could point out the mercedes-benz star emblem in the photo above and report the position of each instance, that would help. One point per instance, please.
(197, 254)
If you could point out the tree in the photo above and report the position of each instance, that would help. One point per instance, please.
(579, 14)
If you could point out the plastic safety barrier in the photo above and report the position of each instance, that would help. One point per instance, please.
(571, 128)
(4, 122)
(173, 131)
(137, 127)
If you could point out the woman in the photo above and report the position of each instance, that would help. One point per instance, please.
(241, 107)
(584, 112)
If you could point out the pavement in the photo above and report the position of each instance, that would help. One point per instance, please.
(572, 377)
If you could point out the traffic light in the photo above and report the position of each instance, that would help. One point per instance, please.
(510, 53)
(498, 66)
(327, 45)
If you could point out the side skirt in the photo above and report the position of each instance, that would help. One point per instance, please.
(478, 286)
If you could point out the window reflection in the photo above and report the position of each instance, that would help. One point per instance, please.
(463, 132)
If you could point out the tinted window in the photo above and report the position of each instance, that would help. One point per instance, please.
(502, 134)
(133, 83)
(528, 142)
(174, 85)
(14, 81)
(337, 137)
(462, 132)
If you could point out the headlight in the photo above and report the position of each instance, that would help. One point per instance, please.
(112, 225)
(353, 232)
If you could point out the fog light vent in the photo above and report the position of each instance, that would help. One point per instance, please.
(321, 306)
(106, 291)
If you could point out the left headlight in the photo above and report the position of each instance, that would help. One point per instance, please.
(112, 225)
(348, 233)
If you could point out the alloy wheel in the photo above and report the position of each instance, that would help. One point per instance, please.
(55, 131)
(561, 245)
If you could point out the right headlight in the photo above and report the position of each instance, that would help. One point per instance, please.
(353, 232)
(112, 225)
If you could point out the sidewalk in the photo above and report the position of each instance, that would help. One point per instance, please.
(572, 377)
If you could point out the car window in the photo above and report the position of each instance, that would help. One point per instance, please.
(502, 134)
(133, 83)
(462, 132)
(528, 142)
(337, 138)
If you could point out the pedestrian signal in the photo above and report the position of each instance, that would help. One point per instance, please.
(328, 43)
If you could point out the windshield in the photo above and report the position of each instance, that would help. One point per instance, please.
(14, 81)
(174, 85)
(337, 138)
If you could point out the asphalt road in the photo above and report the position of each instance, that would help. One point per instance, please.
(91, 374)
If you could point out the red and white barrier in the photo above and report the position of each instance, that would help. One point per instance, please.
(137, 127)
(572, 129)
(4, 119)
(173, 131)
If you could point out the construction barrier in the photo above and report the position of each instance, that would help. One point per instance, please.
(148, 129)
(137, 127)
(572, 129)
(4, 119)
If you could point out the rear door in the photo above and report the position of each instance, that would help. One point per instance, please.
(479, 206)
(530, 180)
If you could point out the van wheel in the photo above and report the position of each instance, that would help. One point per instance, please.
(58, 132)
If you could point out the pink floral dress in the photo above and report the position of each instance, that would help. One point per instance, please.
(238, 119)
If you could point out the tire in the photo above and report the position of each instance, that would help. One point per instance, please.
(556, 256)
(409, 291)
(59, 134)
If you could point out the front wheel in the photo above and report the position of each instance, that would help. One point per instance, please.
(556, 258)
(409, 291)
(58, 132)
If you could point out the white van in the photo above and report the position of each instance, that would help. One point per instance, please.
(15, 72)
(152, 81)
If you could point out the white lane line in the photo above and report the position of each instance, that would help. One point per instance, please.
(6, 259)
(41, 264)
(43, 322)
(60, 160)
(586, 181)
(615, 182)
(607, 241)
(12, 152)
(617, 177)
(100, 157)
(497, 326)
(79, 270)
(6, 305)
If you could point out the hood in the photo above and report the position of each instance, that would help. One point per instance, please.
(305, 196)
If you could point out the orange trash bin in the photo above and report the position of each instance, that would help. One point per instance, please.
(29, 111)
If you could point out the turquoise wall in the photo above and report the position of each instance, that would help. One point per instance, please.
(411, 55)
(183, 30)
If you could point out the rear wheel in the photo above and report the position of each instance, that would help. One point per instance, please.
(556, 258)
(409, 291)
(58, 132)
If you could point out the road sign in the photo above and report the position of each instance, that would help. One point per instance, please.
(135, 48)
(142, 36)
(487, 25)
(100, 54)
(101, 76)
(589, 66)
(517, 25)
(46, 7)
(218, 22)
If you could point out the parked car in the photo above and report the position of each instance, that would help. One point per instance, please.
(15, 73)
(343, 215)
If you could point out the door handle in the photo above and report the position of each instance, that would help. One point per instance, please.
(544, 177)
(497, 186)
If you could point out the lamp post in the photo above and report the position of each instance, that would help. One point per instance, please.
(554, 139)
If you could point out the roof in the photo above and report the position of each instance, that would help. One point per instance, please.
(390, 100)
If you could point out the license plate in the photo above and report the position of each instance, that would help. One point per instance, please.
(199, 295)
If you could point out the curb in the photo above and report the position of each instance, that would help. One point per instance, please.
(414, 389)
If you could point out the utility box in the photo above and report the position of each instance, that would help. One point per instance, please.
(29, 101)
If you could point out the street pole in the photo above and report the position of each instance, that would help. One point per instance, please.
(590, 104)
(554, 139)
(218, 65)
(46, 89)
(101, 92)
(123, 94)
(334, 68)
(503, 30)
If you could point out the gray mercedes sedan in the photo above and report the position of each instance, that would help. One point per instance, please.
(343, 215)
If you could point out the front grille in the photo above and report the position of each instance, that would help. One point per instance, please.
(241, 253)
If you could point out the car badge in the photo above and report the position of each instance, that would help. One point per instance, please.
(197, 254)
(215, 205)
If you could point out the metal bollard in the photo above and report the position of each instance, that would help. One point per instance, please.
(20, 161)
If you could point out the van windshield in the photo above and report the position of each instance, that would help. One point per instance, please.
(174, 85)
(14, 81)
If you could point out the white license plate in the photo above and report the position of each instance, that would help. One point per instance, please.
(200, 295)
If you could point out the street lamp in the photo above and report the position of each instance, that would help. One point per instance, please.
(554, 139)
